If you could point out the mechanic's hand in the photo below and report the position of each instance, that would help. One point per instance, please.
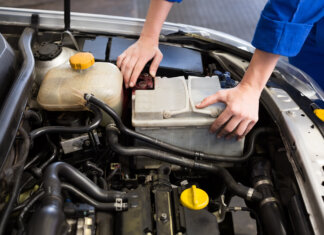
(240, 114)
(132, 60)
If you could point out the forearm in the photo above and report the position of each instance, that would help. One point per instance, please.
(260, 69)
(156, 15)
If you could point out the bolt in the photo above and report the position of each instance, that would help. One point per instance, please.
(87, 143)
(164, 217)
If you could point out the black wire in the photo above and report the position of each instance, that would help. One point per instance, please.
(93, 141)
(28, 205)
(37, 171)
(64, 129)
(238, 189)
(171, 148)
(20, 169)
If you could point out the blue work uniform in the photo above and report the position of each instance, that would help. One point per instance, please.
(293, 28)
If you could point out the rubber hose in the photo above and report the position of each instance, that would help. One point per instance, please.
(64, 129)
(237, 189)
(52, 183)
(99, 205)
(169, 147)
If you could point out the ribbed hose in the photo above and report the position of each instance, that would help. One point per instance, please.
(63, 129)
(237, 189)
(169, 147)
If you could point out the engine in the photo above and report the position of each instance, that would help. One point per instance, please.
(94, 158)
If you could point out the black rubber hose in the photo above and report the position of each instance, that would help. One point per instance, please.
(64, 129)
(237, 189)
(14, 105)
(52, 183)
(270, 210)
(28, 205)
(30, 114)
(169, 147)
(53, 155)
(103, 183)
(99, 205)
(38, 171)
(18, 175)
(50, 218)
(33, 160)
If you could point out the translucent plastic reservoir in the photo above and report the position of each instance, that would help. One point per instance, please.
(63, 87)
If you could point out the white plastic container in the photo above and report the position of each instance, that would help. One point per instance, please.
(63, 88)
(42, 67)
(168, 113)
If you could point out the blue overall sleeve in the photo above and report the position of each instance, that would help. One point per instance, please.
(285, 24)
(174, 0)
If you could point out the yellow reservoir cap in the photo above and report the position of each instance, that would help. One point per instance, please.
(320, 114)
(82, 60)
(194, 198)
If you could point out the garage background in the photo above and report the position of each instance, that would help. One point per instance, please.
(236, 17)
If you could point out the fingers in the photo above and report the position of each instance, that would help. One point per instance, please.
(241, 128)
(136, 72)
(236, 127)
(155, 63)
(129, 69)
(218, 97)
(120, 59)
(250, 126)
(221, 120)
(230, 126)
(132, 61)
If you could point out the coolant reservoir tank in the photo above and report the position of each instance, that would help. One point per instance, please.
(63, 87)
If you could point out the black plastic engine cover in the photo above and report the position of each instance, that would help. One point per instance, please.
(157, 210)
(177, 61)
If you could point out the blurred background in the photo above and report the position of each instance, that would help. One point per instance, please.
(236, 17)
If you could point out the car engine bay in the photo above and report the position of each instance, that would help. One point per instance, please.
(91, 157)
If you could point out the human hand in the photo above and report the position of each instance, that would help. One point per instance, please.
(240, 114)
(132, 60)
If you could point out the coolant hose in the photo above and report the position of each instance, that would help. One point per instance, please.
(169, 147)
(50, 218)
(52, 183)
(269, 208)
(237, 189)
(64, 129)
(103, 206)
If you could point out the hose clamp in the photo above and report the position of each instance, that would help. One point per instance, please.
(262, 182)
(249, 194)
(119, 204)
(113, 126)
(268, 200)
(87, 96)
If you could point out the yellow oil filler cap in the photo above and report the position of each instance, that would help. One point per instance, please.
(320, 114)
(194, 198)
(82, 60)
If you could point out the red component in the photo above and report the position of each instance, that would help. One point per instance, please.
(144, 82)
